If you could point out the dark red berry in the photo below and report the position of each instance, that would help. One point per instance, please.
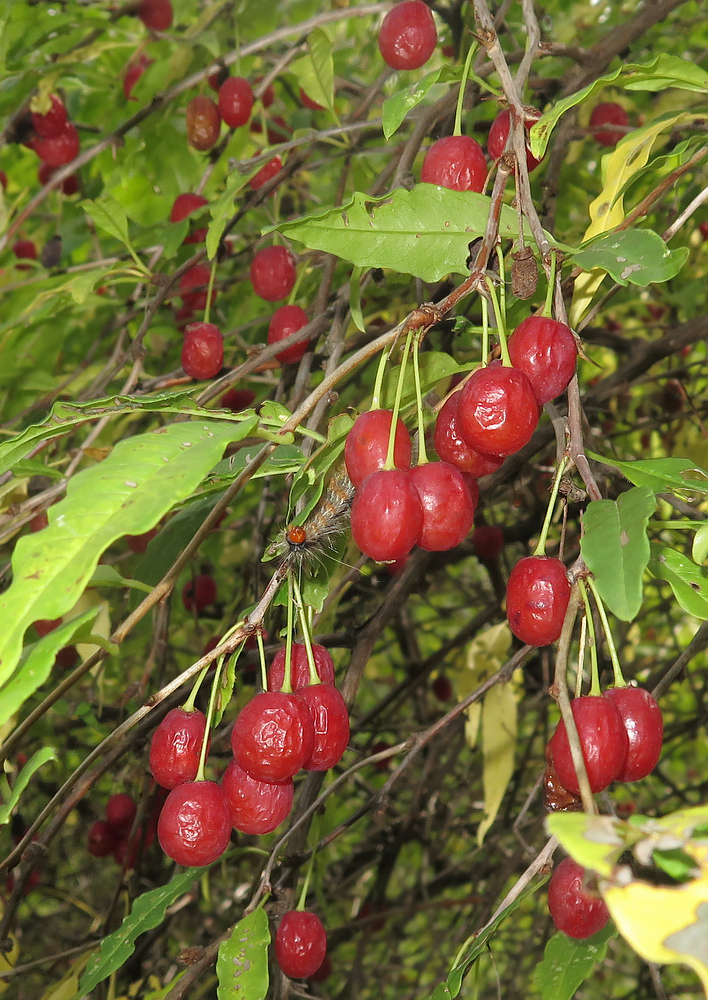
(257, 807)
(300, 669)
(202, 350)
(603, 740)
(408, 35)
(498, 411)
(237, 399)
(273, 736)
(184, 205)
(139, 543)
(175, 747)
(235, 101)
(156, 14)
(39, 521)
(545, 351)
(703, 229)
(455, 162)
(203, 122)
(120, 812)
(59, 149)
(330, 720)
(448, 507)
(266, 173)
(309, 103)
(387, 515)
(378, 747)
(194, 827)
(556, 798)
(46, 625)
(199, 593)
(537, 596)
(576, 910)
(644, 723)
(196, 277)
(67, 657)
(268, 95)
(452, 447)
(608, 113)
(284, 322)
(3, 179)
(300, 944)
(50, 124)
(442, 688)
(367, 444)
(102, 839)
(24, 250)
(273, 273)
(133, 72)
(499, 133)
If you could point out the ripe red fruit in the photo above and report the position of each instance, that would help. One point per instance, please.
(273, 273)
(498, 411)
(60, 149)
(603, 740)
(196, 277)
(175, 747)
(330, 720)
(608, 113)
(387, 515)
(183, 205)
(194, 827)
(120, 812)
(442, 688)
(452, 447)
(284, 322)
(537, 596)
(300, 944)
(257, 807)
(44, 626)
(545, 351)
(703, 228)
(199, 593)
(455, 162)
(299, 669)
(156, 14)
(67, 657)
(202, 350)
(408, 35)
(266, 173)
(499, 133)
(576, 910)
(139, 543)
(309, 103)
(268, 96)
(272, 736)
(235, 101)
(237, 399)
(52, 122)
(39, 521)
(102, 839)
(24, 250)
(644, 723)
(448, 506)
(367, 444)
(133, 72)
(203, 122)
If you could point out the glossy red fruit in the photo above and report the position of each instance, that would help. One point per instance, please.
(266, 173)
(273, 736)
(307, 102)
(203, 122)
(452, 447)
(102, 839)
(330, 720)
(273, 273)
(202, 350)
(194, 827)
(175, 747)
(545, 351)
(199, 593)
(60, 149)
(183, 205)
(120, 812)
(644, 723)
(603, 739)
(24, 250)
(257, 807)
(408, 35)
(442, 688)
(196, 277)
(608, 113)
(498, 411)
(284, 322)
(300, 670)
(575, 909)
(457, 162)
(237, 399)
(133, 72)
(499, 133)
(156, 14)
(235, 101)
(537, 596)
(367, 444)
(52, 122)
(448, 507)
(387, 515)
(300, 944)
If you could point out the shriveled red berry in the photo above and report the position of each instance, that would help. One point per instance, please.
(537, 596)
(300, 669)
(300, 944)
(156, 14)
(456, 162)
(285, 321)
(203, 122)
(603, 740)
(576, 910)
(272, 736)
(608, 113)
(498, 411)
(367, 444)
(330, 720)
(387, 515)
(644, 724)
(408, 35)
(52, 122)
(60, 148)
(448, 507)
(196, 277)
(199, 593)
(175, 747)
(120, 812)
(452, 447)
(257, 807)
(273, 273)
(194, 827)
(545, 351)
(235, 101)
(499, 133)
(202, 350)
(102, 839)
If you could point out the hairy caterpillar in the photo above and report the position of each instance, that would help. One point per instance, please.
(328, 520)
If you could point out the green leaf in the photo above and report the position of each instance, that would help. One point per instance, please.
(396, 107)
(108, 576)
(221, 209)
(242, 963)
(355, 299)
(639, 256)
(315, 71)
(699, 549)
(660, 474)
(688, 581)
(568, 962)
(109, 215)
(425, 232)
(595, 842)
(136, 195)
(148, 911)
(33, 764)
(616, 548)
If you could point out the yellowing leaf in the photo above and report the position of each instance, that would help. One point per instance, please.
(102, 623)
(499, 725)
(485, 654)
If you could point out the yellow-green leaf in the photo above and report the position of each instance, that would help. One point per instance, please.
(499, 727)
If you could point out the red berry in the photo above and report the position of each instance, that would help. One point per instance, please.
(330, 720)
(194, 827)
(120, 812)
(175, 747)
(199, 593)
(52, 122)
(268, 96)
(608, 113)
(537, 596)
(133, 72)
(46, 625)
(455, 162)
(452, 447)
(273, 273)
(196, 277)
(603, 740)
(448, 506)
(387, 515)
(237, 399)
(703, 228)
(442, 688)
(3, 179)
(39, 521)
(284, 322)
(102, 839)
(203, 122)
(235, 101)
(300, 670)
(367, 444)
(202, 350)
(300, 944)
(266, 173)
(273, 736)
(60, 149)
(408, 35)
(576, 910)
(257, 807)
(156, 14)
(644, 723)
(309, 103)
(184, 205)
(498, 411)
(24, 250)
(139, 543)
(545, 351)
(67, 657)
(499, 133)
(381, 765)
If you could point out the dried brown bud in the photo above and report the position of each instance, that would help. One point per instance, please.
(524, 273)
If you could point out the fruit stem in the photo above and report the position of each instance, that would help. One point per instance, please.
(485, 331)
(502, 280)
(299, 275)
(595, 688)
(209, 717)
(315, 828)
(288, 670)
(390, 464)
(506, 360)
(620, 682)
(581, 656)
(380, 371)
(422, 451)
(463, 87)
(189, 703)
(548, 304)
(210, 290)
(261, 657)
(304, 625)
(540, 549)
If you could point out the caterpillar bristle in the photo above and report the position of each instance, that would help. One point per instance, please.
(316, 538)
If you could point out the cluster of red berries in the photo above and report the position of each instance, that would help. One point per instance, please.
(112, 834)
